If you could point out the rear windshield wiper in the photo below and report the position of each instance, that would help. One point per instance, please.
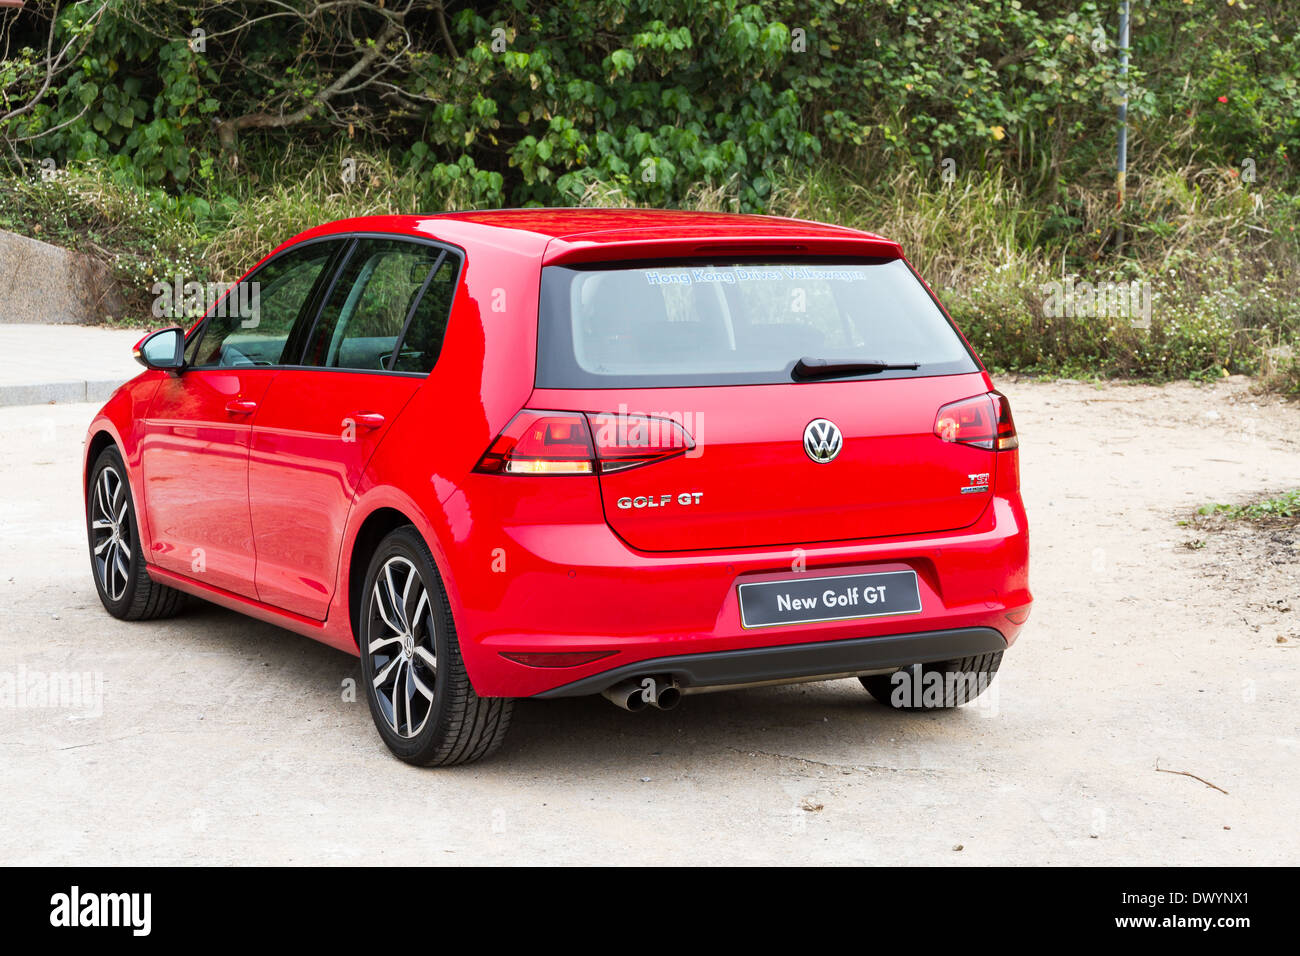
(807, 369)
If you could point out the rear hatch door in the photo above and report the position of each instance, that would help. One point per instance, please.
(771, 457)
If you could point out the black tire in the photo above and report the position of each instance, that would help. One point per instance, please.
(121, 579)
(420, 696)
(934, 686)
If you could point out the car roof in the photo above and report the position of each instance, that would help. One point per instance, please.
(584, 234)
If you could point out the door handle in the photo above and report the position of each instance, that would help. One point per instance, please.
(241, 406)
(367, 419)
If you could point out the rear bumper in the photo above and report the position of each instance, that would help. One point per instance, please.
(822, 660)
(578, 588)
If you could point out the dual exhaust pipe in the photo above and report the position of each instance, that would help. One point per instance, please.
(642, 692)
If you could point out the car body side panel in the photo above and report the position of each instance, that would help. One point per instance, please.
(194, 472)
(309, 452)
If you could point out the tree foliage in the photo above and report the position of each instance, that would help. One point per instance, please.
(542, 100)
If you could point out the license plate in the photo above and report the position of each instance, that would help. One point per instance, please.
(840, 598)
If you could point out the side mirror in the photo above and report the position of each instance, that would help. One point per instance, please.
(163, 350)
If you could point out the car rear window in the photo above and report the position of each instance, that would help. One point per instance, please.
(740, 323)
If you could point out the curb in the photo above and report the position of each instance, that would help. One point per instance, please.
(45, 393)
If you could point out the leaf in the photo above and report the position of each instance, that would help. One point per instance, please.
(621, 61)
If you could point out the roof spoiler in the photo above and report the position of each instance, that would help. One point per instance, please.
(605, 247)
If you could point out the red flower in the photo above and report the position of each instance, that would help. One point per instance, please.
(1223, 99)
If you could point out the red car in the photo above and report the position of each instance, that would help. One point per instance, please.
(553, 452)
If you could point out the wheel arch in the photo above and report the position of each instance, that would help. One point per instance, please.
(95, 446)
(376, 526)
(104, 435)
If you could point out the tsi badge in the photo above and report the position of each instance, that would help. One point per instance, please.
(977, 484)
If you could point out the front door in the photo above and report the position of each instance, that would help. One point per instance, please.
(194, 450)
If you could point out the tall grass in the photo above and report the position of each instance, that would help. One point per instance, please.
(956, 234)
(297, 194)
(1221, 258)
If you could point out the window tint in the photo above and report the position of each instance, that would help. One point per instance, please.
(423, 339)
(192, 347)
(385, 285)
(676, 324)
(252, 324)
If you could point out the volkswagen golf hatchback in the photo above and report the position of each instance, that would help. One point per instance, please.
(545, 453)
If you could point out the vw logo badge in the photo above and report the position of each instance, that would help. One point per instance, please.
(822, 440)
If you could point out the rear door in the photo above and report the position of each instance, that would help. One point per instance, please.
(377, 337)
(775, 459)
(194, 450)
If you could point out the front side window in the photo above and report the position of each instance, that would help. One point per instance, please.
(737, 323)
(252, 325)
(389, 291)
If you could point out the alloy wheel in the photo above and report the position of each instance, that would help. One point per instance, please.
(400, 642)
(110, 530)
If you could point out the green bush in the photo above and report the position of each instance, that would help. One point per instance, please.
(532, 102)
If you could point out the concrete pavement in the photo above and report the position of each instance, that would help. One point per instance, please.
(40, 364)
(212, 738)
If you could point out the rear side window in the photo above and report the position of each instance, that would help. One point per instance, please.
(428, 325)
(389, 291)
(736, 323)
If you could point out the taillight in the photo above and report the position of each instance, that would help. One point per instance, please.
(541, 443)
(561, 443)
(1007, 437)
(624, 441)
(983, 421)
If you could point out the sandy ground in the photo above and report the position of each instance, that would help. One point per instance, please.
(222, 740)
